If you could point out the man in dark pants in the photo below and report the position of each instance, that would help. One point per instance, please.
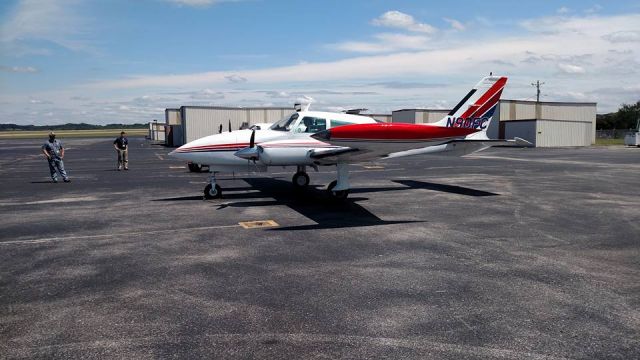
(121, 145)
(54, 152)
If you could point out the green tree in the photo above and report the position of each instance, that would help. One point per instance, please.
(625, 118)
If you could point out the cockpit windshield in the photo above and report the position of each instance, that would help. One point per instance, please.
(285, 123)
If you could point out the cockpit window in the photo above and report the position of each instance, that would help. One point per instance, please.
(285, 123)
(336, 123)
(310, 124)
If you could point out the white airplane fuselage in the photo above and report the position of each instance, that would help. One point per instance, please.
(284, 144)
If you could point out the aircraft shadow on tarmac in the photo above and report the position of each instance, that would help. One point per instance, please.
(315, 204)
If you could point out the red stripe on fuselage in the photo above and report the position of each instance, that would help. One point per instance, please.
(397, 131)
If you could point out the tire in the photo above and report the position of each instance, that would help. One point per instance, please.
(193, 167)
(212, 193)
(300, 180)
(340, 195)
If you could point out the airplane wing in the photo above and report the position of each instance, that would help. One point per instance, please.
(460, 147)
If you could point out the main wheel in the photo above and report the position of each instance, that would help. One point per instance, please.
(211, 192)
(193, 167)
(300, 180)
(338, 195)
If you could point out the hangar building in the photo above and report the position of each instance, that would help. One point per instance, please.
(189, 123)
(544, 124)
(157, 131)
(173, 127)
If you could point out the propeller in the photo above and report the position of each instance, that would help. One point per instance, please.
(252, 152)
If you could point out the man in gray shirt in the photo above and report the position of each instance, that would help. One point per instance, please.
(54, 152)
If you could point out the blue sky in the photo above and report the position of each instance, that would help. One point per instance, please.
(125, 61)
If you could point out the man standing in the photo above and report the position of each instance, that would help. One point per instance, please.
(54, 152)
(121, 145)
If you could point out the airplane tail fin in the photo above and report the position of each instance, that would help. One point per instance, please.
(476, 109)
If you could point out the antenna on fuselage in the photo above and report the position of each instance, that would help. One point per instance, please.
(220, 129)
(229, 125)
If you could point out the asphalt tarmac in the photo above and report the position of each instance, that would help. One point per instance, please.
(507, 254)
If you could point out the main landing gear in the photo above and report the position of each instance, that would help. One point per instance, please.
(337, 189)
(300, 179)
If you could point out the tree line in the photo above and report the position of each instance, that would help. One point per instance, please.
(625, 118)
(70, 126)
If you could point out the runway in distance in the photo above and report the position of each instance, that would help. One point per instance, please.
(312, 138)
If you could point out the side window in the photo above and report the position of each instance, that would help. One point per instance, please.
(312, 124)
(335, 123)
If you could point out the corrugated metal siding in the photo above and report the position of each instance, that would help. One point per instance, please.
(493, 131)
(518, 111)
(432, 116)
(274, 115)
(568, 112)
(522, 129)
(199, 122)
(381, 117)
(404, 116)
(172, 116)
(555, 133)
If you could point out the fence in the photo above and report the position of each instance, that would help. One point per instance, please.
(612, 133)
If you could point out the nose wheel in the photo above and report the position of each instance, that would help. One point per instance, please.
(212, 192)
(300, 180)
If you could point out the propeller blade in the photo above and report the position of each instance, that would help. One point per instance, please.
(252, 140)
(229, 125)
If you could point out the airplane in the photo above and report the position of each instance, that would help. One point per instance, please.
(313, 138)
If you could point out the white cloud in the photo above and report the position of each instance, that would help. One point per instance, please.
(563, 10)
(385, 42)
(233, 78)
(18, 69)
(571, 69)
(455, 24)
(593, 9)
(53, 21)
(572, 56)
(34, 101)
(623, 36)
(399, 20)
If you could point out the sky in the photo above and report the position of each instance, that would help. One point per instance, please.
(122, 61)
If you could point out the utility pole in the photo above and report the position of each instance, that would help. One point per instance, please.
(537, 84)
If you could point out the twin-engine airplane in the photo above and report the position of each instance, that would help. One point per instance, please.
(312, 138)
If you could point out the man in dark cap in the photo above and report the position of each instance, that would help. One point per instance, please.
(121, 144)
(54, 152)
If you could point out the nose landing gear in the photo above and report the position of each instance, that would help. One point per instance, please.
(212, 190)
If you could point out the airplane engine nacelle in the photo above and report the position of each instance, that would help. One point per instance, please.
(285, 156)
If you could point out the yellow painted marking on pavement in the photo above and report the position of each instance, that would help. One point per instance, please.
(373, 167)
(258, 224)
